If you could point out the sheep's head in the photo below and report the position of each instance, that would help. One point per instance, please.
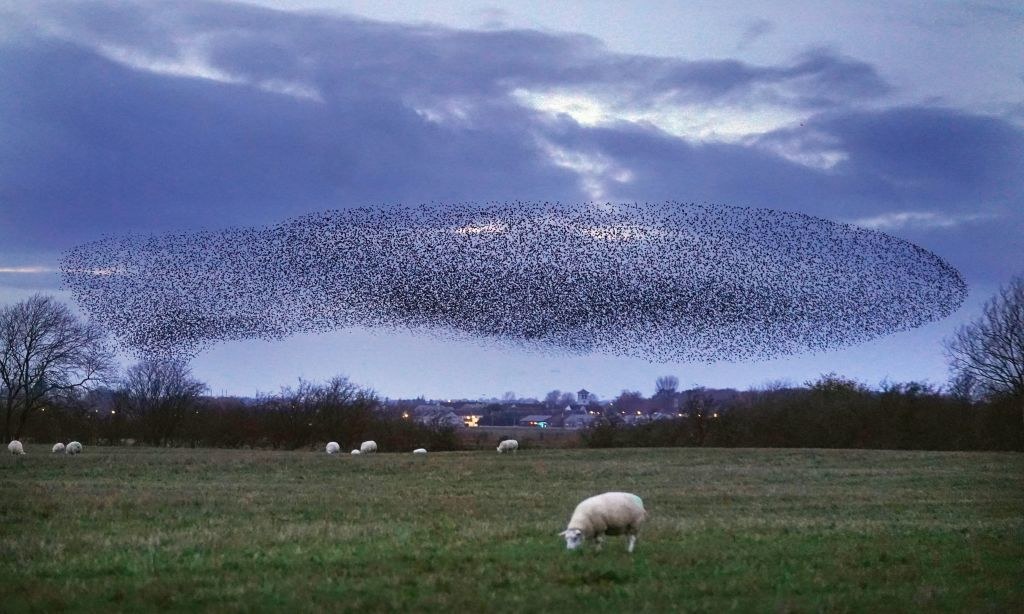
(573, 538)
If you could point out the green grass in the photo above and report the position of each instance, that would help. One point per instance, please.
(730, 530)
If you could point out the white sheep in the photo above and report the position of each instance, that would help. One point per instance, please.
(57, 448)
(368, 447)
(15, 447)
(73, 448)
(355, 451)
(612, 513)
(509, 445)
(420, 451)
(333, 447)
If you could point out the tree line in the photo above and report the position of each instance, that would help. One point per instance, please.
(832, 412)
(981, 409)
(59, 380)
(160, 404)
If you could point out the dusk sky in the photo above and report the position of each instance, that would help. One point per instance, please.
(127, 118)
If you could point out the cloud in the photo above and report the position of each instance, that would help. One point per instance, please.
(695, 121)
(927, 155)
(918, 219)
(154, 117)
(190, 63)
(942, 153)
(26, 270)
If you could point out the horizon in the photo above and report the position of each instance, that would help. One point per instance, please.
(133, 118)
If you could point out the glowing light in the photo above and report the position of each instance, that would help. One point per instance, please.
(479, 229)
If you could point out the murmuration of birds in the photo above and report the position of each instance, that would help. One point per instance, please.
(665, 282)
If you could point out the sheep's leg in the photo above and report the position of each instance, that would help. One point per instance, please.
(632, 542)
(600, 542)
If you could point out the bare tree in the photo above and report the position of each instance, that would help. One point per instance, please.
(666, 384)
(160, 393)
(664, 398)
(315, 412)
(629, 401)
(45, 353)
(989, 352)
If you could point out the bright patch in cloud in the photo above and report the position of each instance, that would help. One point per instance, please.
(290, 88)
(813, 149)
(450, 111)
(695, 122)
(918, 219)
(28, 270)
(189, 64)
(596, 171)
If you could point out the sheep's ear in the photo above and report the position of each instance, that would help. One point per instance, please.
(564, 533)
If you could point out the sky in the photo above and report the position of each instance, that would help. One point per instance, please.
(127, 118)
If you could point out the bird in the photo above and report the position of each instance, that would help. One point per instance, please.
(664, 281)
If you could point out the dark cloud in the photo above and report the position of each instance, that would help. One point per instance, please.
(932, 153)
(962, 169)
(344, 55)
(307, 112)
(90, 144)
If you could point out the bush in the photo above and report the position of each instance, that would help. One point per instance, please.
(307, 416)
(834, 413)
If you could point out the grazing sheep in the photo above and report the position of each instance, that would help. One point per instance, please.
(612, 513)
(509, 445)
(57, 448)
(15, 447)
(368, 447)
(420, 451)
(73, 448)
(355, 451)
(333, 447)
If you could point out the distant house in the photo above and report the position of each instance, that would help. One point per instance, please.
(471, 414)
(583, 396)
(436, 415)
(579, 421)
(537, 420)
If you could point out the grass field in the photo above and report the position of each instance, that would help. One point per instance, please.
(741, 530)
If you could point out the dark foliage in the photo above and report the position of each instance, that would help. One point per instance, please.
(307, 416)
(832, 413)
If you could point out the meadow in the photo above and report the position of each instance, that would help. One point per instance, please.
(730, 530)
